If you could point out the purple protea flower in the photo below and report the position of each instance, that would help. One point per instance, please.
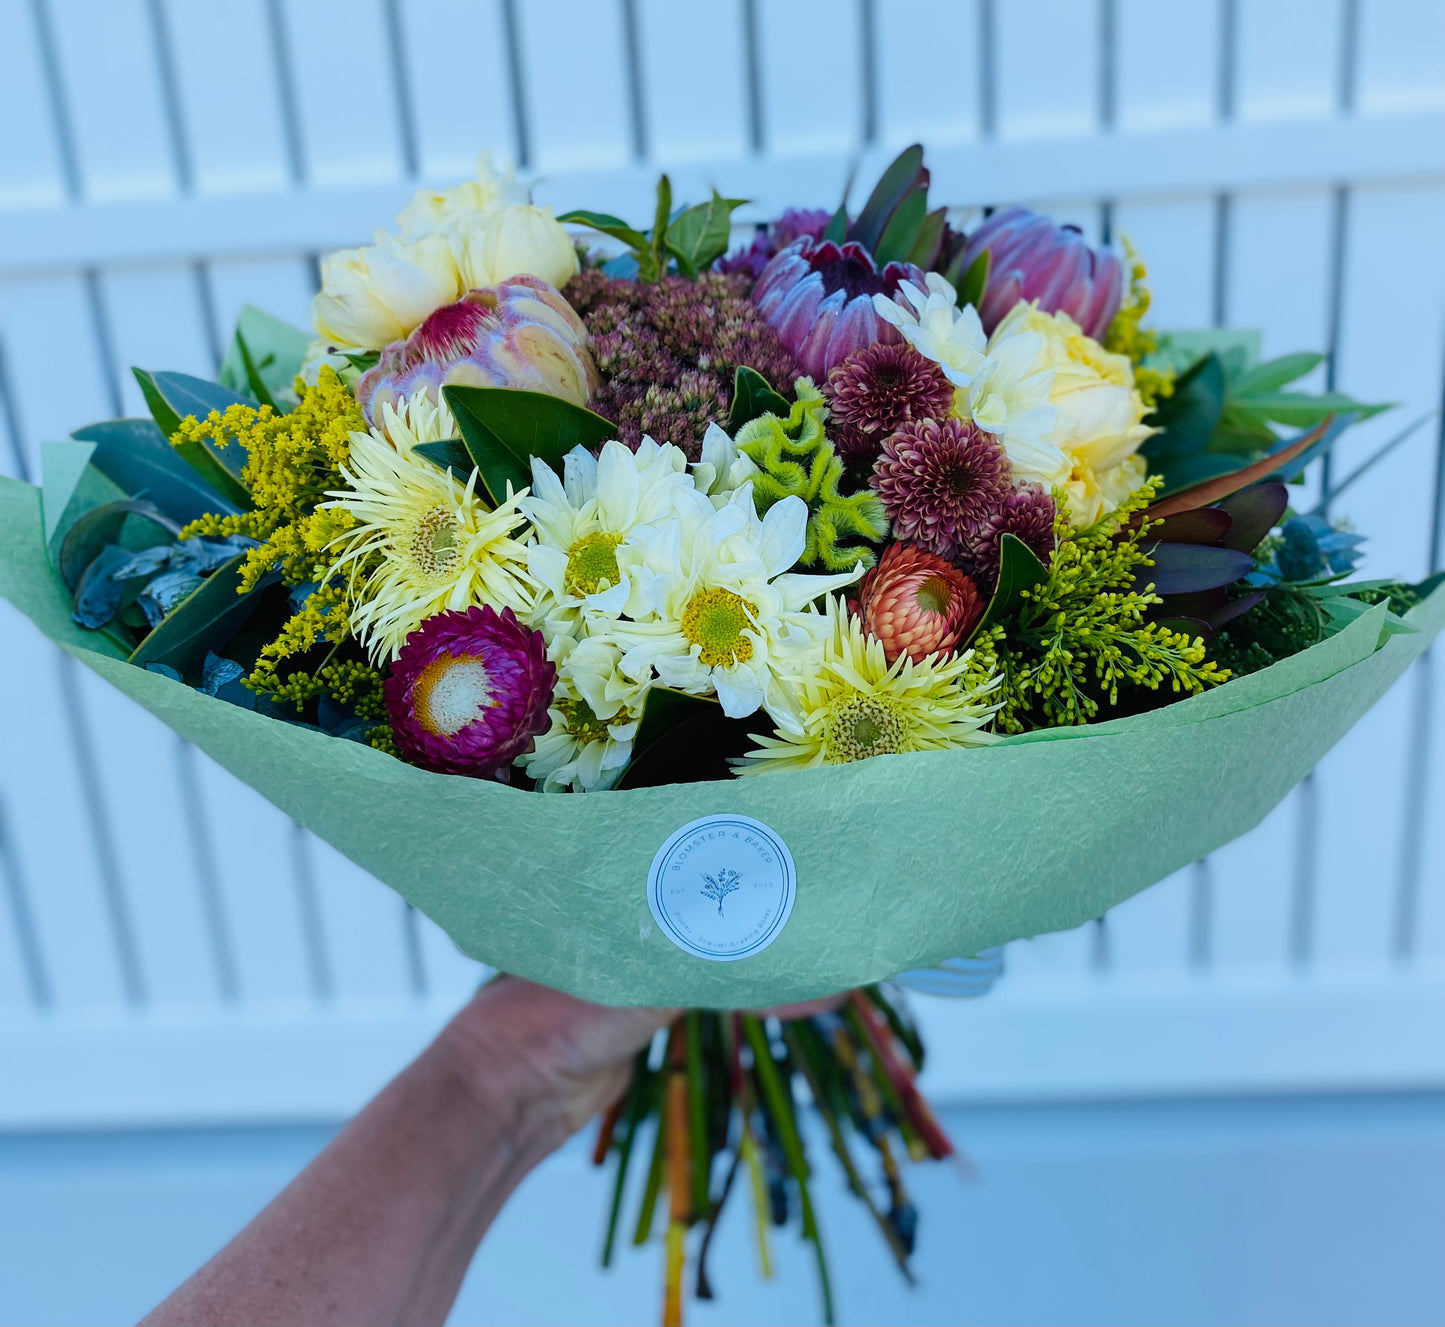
(1028, 514)
(941, 481)
(1035, 259)
(877, 389)
(818, 298)
(520, 333)
(792, 225)
(469, 691)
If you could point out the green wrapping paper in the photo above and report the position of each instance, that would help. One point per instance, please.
(902, 861)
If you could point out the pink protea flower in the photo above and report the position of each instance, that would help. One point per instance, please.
(520, 333)
(818, 298)
(469, 691)
(877, 389)
(940, 481)
(1035, 259)
(917, 603)
(1028, 514)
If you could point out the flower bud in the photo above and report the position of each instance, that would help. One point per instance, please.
(514, 240)
(378, 294)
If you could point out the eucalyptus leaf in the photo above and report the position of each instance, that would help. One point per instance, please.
(208, 617)
(1019, 569)
(163, 593)
(171, 397)
(504, 427)
(1300, 409)
(101, 526)
(276, 349)
(752, 396)
(1275, 373)
(98, 595)
(134, 454)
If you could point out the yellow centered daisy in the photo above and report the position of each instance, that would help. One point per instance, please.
(592, 563)
(433, 546)
(451, 692)
(714, 620)
(853, 704)
(579, 722)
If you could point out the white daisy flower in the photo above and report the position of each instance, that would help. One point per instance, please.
(581, 520)
(723, 468)
(714, 606)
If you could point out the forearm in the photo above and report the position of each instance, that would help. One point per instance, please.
(381, 1227)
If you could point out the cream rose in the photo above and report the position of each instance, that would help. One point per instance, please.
(514, 240)
(464, 206)
(1099, 413)
(373, 296)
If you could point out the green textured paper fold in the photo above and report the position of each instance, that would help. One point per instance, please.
(901, 861)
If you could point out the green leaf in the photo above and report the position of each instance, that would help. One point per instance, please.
(134, 454)
(253, 376)
(701, 234)
(1273, 374)
(904, 174)
(930, 239)
(1300, 409)
(504, 427)
(173, 396)
(1019, 569)
(608, 225)
(277, 351)
(203, 621)
(1188, 417)
(99, 527)
(903, 228)
(664, 712)
(449, 455)
(752, 396)
(837, 228)
(1181, 350)
(974, 281)
(657, 246)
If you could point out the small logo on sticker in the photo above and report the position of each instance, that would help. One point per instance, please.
(722, 887)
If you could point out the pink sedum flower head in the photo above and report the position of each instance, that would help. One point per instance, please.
(1033, 258)
(818, 298)
(940, 482)
(519, 333)
(469, 692)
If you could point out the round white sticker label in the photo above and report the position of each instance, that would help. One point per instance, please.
(722, 887)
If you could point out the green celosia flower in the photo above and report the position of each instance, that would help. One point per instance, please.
(1081, 634)
(797, 460)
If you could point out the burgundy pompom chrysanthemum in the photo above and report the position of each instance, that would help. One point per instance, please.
(1028, 514)
(877, 389)
(469, 691)
(940, 481)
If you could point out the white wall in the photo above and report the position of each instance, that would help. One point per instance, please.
(173, 950)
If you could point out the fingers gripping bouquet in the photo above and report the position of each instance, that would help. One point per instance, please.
(572, 554)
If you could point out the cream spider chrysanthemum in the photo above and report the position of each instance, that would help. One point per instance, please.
(414, 420)
(594, 715)
(582, 518)
(714, 607)
(854, 705)
(424, 543)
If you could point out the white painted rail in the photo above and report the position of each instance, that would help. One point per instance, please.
(174, 950)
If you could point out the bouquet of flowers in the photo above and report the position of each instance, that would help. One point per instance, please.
(685, 623)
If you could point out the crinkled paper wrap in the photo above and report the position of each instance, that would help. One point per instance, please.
(902, 861)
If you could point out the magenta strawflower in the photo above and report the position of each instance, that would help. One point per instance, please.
(940, 481)
(469, 691)
(1034, 258)
(877, 389)
(1028, 514)
(818, 298)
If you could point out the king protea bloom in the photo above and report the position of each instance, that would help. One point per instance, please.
(1032, 258)
(469, 691)
(854, 704)
(818, 298)
(520, 333)
(917, 603)
(423, 543)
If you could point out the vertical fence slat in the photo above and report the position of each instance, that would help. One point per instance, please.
(456, 118)
(1400, 42)
(694, 110)
(909, 107)
(1167, 64)
(1288, 55)
(1046, 68)
(812, 77)
(30, 173)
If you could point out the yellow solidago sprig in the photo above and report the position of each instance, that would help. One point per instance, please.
(1081, 634)
(796, 459)
(1128, 336)
(852, 704)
